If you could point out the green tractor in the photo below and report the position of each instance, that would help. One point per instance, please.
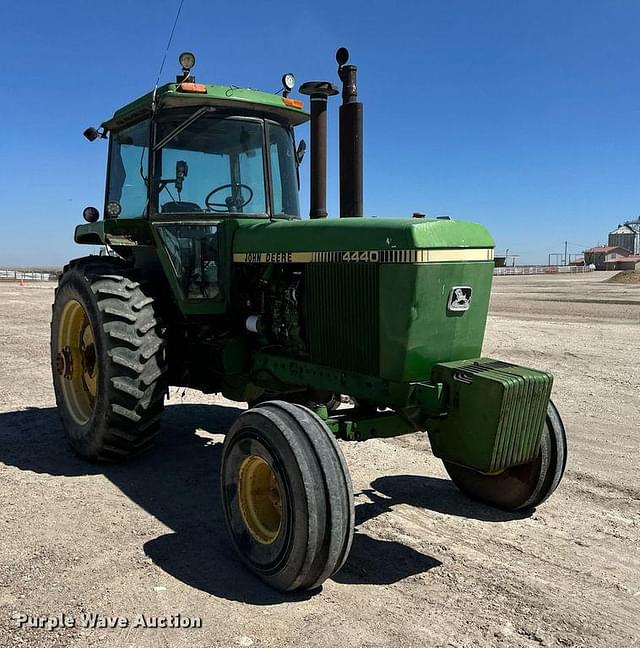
(211, 280)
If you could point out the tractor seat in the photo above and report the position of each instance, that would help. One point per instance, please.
(179, 206)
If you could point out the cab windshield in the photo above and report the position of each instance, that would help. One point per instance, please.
(219, 164)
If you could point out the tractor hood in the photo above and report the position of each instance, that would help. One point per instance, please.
(388, 236)
(377, 292)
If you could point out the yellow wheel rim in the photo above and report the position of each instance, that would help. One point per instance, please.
(260, 502)
(76, 361)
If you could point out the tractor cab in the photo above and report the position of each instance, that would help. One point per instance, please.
(184, 159)
(203, 160)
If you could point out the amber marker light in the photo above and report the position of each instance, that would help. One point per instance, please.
(293, 103)
(193, 87)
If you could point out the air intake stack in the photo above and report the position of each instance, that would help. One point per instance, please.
(350, 139)
(319, 91)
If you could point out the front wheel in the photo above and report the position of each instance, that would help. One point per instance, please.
(286, 495)
(520, 487)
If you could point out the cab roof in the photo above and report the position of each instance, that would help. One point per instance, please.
(171, 95)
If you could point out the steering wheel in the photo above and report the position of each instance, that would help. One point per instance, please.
(230, 201)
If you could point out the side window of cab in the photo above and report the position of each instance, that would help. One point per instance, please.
(128, 158)
(193, 253)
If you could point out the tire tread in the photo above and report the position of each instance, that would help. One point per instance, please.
(135, 348)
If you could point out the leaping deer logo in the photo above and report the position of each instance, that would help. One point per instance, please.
(459, 298)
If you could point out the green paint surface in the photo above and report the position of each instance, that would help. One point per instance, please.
(136, 231)
(416, 329)
(337, 234)
(225, 97)
(495, 413)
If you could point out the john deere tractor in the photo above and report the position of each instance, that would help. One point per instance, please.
(346, 328)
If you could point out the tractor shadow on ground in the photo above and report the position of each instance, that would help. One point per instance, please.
(382, 562)
(432, 493)
(385, 561)
(177, 483)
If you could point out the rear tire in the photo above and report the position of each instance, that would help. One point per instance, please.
(520, 487)
(110, 397)
(287, 497)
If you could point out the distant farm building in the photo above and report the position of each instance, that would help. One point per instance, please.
(624, 263)
(601, 255)
(627, 236)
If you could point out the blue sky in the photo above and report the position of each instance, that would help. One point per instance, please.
(518, 114)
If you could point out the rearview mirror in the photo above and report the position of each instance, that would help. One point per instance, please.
(302, 147)
(182, 171)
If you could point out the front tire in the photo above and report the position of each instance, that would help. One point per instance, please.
(520, 487)
(286, 495)
(108, 360)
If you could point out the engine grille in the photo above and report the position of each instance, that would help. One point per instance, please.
(341, 315)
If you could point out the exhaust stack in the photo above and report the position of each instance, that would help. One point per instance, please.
(351, 201)
(319, 91)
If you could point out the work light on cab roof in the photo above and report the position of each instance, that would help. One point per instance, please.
(288, 83)
(210, 279)
(187, 61)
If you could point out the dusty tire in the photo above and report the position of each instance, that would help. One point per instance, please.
(286, 495)
(521, 487)
(122, 416)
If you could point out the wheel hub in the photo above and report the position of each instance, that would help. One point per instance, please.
(76, 361)
(64, 363)
(260, 501)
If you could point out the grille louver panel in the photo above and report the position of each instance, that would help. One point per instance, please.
(341, 315)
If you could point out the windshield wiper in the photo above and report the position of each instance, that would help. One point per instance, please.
(185, 124)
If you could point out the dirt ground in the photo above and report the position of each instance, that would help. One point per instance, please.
(427, 568)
